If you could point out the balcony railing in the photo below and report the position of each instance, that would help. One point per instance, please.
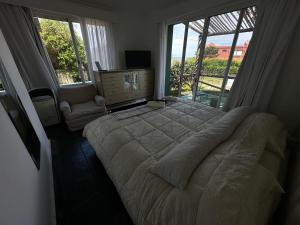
(66, 77)
(208, 91)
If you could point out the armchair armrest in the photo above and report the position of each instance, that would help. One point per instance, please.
(64, 106)
(100, 101)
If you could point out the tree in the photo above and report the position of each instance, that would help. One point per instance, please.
(211, 52)
(57, 39)
(188, 77)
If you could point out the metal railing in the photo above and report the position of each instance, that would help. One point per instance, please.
(66, 77)
(206, 92)
(203, 82)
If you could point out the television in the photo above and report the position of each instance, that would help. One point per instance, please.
(138, 59)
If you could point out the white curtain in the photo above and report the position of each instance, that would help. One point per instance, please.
(258, 75)
(160, 73)
(100, 44)
(26, 46)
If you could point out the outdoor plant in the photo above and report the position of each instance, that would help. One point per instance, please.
(211, 52)
(211, 66)
(58, 42)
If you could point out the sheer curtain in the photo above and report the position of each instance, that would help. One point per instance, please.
(26, 46)
(100, 44)
(257, 77)
(161, 61)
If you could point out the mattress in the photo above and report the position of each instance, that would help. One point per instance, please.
(131, 142)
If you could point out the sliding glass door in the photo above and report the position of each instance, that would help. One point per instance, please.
(206, 55)
(176, 58)
(64, 43)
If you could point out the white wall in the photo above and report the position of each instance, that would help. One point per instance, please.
(285, 101)
(135, 34)
(26, 193)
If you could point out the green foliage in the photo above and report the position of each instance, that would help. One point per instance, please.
(57, 39)
(189, 74)
(218, 67)
(211, 51)
(210, 67)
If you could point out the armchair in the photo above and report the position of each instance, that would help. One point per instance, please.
(80, 105)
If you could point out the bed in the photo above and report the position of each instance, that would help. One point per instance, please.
(192, 164)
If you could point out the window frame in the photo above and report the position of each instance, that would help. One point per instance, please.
(70, 20)
(238, 53)
(232, 55)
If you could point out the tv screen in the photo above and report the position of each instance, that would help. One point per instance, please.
(138, 59)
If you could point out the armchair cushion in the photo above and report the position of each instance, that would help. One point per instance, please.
(84, 109)
(77, 94)
(100, 101)
(64, 106)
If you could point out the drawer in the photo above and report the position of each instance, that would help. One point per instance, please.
(110, 91)
(114, 83)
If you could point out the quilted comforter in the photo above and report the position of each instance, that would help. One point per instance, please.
(228, 186)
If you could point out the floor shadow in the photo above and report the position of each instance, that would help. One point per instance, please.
(84, 193)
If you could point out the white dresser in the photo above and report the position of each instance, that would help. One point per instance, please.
(125, 86)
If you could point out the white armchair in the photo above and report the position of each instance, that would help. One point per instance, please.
(100, 101)
(65, 107)
(80, 105)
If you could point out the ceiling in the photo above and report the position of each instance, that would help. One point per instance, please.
(227, 23)
(128, 5)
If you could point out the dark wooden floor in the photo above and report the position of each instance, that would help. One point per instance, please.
(84, 194)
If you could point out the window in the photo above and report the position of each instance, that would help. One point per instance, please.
(206, 55)
(238, 53)
(1, 86)
(2, 77)
(64, 43)
(177, 58)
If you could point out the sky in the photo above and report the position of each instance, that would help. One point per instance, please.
(77, 29)
(192, 41)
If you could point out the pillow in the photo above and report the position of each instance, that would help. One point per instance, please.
(100, 101)
(65, 107)
(177, 166)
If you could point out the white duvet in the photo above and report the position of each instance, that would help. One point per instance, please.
(227, 186)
